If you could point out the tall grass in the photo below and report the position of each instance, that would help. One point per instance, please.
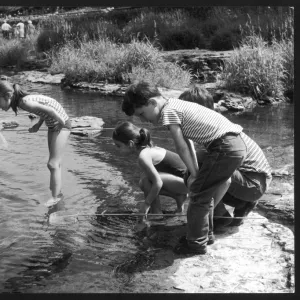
(255, 69)
(263, 67)
(175, 29)
(13, 52)
(104, 60)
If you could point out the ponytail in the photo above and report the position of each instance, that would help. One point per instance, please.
(127, 131)
(144, 138)
(18, 94)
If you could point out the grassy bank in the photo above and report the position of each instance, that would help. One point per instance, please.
(104, 60)
(262, 68)
(124, 46)
(213, 28)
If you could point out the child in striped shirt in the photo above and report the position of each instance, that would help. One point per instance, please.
(188, 122)
(248, 182)
(56, 119)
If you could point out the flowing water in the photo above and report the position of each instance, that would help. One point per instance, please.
(83, 256)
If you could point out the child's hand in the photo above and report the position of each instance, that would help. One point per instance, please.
(190, 181)
(186, 176)
(34, 128)
(145, 209)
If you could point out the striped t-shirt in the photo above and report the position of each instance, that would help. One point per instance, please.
(255, 160)
(45, 100)
(203, 125)
(198, 123)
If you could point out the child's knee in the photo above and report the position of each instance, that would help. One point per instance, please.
(52, 165)
(144, 184)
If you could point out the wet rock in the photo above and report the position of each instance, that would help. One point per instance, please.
(255, 257)
(104, 88)
(207, 64)
(41, 77)
(10, 124)
(86, 125)
(220, 108)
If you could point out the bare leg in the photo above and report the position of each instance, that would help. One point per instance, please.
(174, 187)
(56, 143)
(221, 191)
(145, 186)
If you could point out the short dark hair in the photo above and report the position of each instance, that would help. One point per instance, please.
(138, 95)
(198, 94)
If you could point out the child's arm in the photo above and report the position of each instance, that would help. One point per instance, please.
(183, 149)
(36, 126)
(31, 105)
(146, 164)
(191, 146)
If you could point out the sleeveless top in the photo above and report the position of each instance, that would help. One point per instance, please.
(47, 101)
(171, 164)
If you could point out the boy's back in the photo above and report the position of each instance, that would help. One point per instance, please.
(198, 123)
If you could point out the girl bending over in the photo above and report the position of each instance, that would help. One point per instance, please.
(163, 170)
(56, 119)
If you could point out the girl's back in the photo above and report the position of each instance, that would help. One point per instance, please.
(165, 161)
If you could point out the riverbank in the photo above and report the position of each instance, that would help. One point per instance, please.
(236, 263)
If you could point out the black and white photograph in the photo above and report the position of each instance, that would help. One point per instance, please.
(147, 149)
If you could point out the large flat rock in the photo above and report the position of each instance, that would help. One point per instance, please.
(86, 125)
(256, 257)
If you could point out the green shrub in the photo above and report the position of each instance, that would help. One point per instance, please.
(255, 69)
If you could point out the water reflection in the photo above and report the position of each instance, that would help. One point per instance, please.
(99, 254)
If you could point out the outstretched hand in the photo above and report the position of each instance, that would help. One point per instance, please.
(145, 209)
(34, 128)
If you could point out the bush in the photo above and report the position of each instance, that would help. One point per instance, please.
(49, 39)
(286, 50)
(255, 69)
(101, 60)
(177, 38)
(13, 52)
(164, 74)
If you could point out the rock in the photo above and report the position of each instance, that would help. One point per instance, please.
(42, 77)
(233, 104)
(10, 124)
(86, 125)
(257, 256)
(106, 89)
(220, 108)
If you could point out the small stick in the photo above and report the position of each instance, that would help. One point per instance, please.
(26, 130)
(140, 214)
